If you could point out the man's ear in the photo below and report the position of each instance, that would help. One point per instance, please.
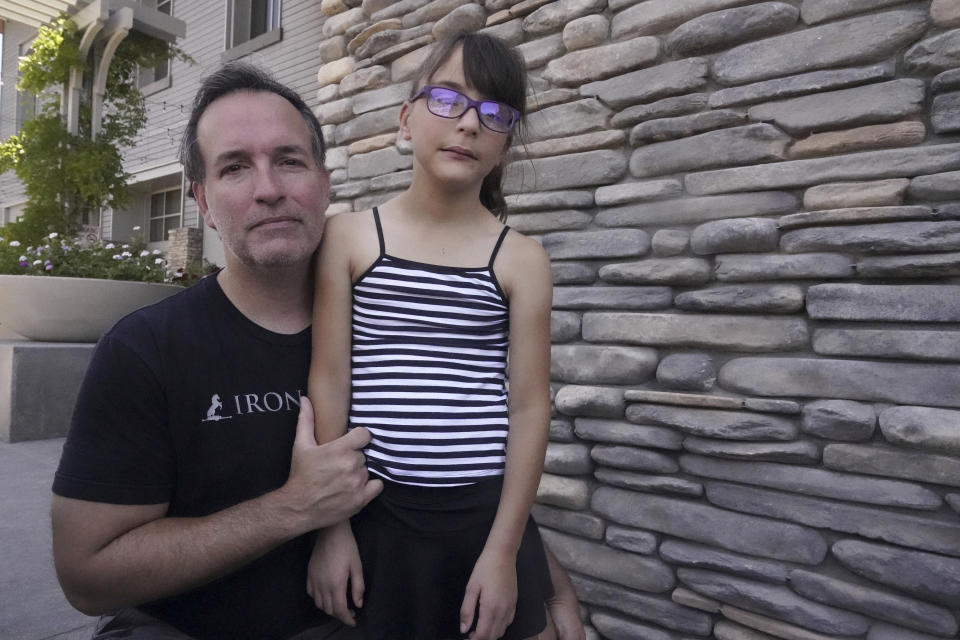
(404, 117)
(200, 195)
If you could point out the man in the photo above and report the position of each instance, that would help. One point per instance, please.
(190, 481)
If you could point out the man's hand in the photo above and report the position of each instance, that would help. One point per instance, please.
(492, 594)
(328, 483)
(566, 619)
(335, 563)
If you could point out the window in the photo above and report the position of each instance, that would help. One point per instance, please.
(251, 24)
(164, 214)
(161, 72)
(28, 104)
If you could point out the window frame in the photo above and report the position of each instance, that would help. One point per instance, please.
(164, 215)
(273, 33)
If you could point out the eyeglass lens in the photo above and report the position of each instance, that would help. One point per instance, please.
(448, 103)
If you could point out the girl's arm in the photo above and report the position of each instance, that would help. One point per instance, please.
(335, 559)
(528, 284)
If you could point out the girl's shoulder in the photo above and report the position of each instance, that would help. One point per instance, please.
(522, 258)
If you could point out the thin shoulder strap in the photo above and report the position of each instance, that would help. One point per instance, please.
(496, 249)
(376, 218)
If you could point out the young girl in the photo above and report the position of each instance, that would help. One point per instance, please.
(414, 301)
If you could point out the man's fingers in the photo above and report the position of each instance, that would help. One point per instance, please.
(356, 438)
(305, 429)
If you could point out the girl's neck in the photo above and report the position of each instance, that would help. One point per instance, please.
(437, 205)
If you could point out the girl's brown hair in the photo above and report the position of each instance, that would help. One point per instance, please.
(498, 72)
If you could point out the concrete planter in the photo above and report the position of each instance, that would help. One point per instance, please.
(53, 309)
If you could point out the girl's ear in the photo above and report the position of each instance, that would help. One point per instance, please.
(404, 117)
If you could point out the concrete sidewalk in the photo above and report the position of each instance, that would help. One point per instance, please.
(32, 607)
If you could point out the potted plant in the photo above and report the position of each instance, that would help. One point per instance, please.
(72, 290)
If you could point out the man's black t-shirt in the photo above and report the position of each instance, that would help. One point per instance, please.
(191, 403)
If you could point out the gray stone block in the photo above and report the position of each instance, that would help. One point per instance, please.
(575, 522)
(740, 145)
(844, 195)
(939, 53)
(697, 210)
(882, 631)
(891, 237)
(684, 126)
(723, 29)
(621, 432)
(874, 603)
(560, 491)
(669, 242)
(773, 600)
(798, 452)
(939, 186)
(887, 343)
(385, 97)
(688, 371)
(923, 428)
(561, 431)
(39, 382)
(470, 17)
(736, 333)
(567, 119)
(931, 534)
(873, 381)
(564, 326)
(946, 81)
(601, 364)
(537, 53)
(701, 557)
(738, 235)
(698, 522)
(668, 271)
(522, 202)
(648, 483)
(586, 31)
(378, 163)
(591, 402)
(857, 40)
(712, 423)
(663, 108)
(633, 540)
(632, 191)
(618, 627)
(636, 298)
(565, 172)
(605, 243)
(633, 459)
(547, 221)
(571, 273)
(839, 420)
(801, 84)
(893, 463)
(926, 575)
(656, 16)
(612, 565)
(814, 482)
(567, 459)
(577, 67)
(946, 112)
(816, 11)
(662, 612)
(868, 165)
(645, 85)
(891, 303)
(858, 214)
(367, 125)
(746, 298)
(883, 102)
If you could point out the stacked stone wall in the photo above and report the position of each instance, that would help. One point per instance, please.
(753, 213)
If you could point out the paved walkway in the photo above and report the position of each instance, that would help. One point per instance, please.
(32, 607)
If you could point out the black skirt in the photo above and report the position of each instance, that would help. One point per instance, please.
(419, 545)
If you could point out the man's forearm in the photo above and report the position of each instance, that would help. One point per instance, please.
(166, 556)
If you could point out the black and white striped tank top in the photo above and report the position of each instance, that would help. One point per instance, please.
(428, 359)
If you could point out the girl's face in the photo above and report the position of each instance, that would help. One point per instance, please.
(458, 152)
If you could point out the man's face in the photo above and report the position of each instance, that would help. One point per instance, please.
(263, 191)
